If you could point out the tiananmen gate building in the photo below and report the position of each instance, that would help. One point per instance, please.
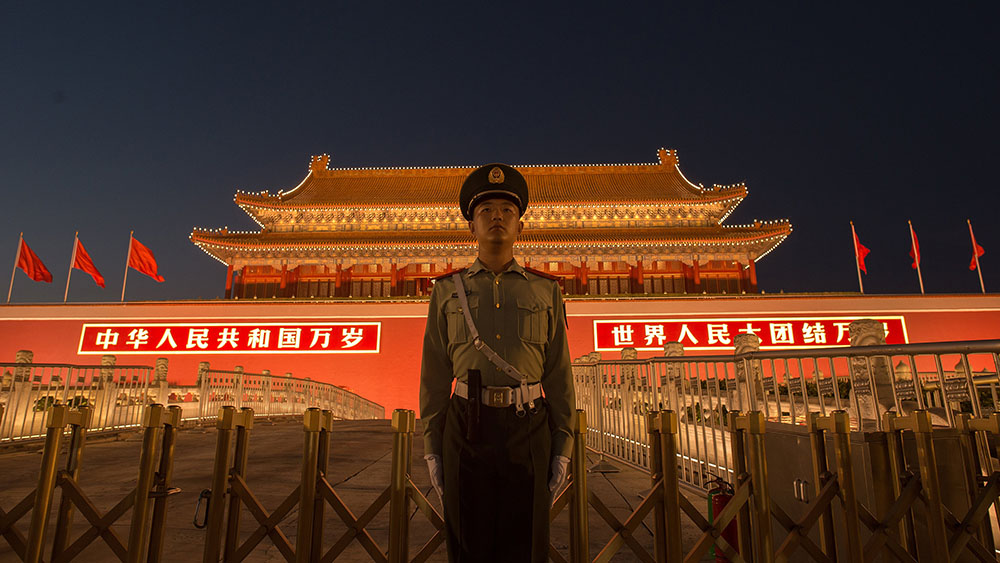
(384, 232)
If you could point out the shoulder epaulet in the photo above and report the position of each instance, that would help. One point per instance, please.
(448, 274)
(541, 274)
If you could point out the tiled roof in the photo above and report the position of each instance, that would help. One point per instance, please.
(573, 184)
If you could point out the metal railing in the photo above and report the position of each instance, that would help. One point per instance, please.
(277, 395)
(864, 381)
(115, 395)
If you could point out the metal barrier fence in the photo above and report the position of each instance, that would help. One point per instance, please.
(277, 395)
(864, 381)
(115, 395)
(915, 523)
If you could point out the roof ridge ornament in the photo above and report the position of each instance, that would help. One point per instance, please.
(667, 157)
(321, 162)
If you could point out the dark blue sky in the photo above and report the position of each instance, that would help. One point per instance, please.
(150, 118)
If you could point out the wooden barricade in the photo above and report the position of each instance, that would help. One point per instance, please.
(147, 500)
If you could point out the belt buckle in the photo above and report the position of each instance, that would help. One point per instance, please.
(499, 397)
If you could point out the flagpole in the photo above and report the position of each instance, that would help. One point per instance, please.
(857, 261)
(17, 258)
(72, 260)
(975, 255)
(127, 256)
(916, 256)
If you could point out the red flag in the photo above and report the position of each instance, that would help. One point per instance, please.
(141, 259)
(860, 251)
(979, 252)
(32, 265)
(82, 261)
(914, 249)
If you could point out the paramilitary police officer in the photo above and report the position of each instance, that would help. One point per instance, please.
(499, 446)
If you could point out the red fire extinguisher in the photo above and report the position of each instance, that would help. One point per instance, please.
(719, 495)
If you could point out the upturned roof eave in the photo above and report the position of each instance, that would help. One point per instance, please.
(253, 241)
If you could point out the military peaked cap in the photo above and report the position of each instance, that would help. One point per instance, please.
(493, 180)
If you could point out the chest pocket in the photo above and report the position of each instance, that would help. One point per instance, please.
(458, 331)
(533, 320)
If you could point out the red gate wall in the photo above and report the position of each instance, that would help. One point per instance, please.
(390, 376)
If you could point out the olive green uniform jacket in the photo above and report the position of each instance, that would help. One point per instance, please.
(520, 314)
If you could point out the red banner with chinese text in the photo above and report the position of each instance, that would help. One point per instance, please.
(717, 334)
(231, 338)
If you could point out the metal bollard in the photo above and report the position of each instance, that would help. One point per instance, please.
(244, 423)
(579, 532)
(312, 421)
(920, 423)
(326, 429)
(656, 475)
(753, 424)
(64, 518)
(972, 430)
(220, 474)
(58, 418)
(839, 424)
(172, 421)
(821, 476)
(152, 421)
(736, 440)
(667, 421)
(897, 467)
(403, 425)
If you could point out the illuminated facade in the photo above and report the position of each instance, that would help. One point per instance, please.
(621, 229)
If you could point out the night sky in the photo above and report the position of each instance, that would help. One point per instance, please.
(151, 118)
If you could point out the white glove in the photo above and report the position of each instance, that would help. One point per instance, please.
(560, 469)
(436, 470)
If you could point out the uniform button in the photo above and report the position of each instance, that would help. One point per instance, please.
(498, 337)
(497, 281)
(498, 305)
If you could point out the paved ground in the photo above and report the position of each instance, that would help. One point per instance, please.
(359, 469)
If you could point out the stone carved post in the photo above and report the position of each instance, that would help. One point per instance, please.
(906, 390)
(204, 394)
(869, 383)
(595, 372)
(630, 373)
(266, 391)
(107, 393)
(160, 373)
(670, 382)
(289, 394)
(956, 387)
(238, 387)
(629, 384)
(21, 401)
(23, 358)
(747, 385)
(160, 381)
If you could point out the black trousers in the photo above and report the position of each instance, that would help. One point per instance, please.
(496, 495)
